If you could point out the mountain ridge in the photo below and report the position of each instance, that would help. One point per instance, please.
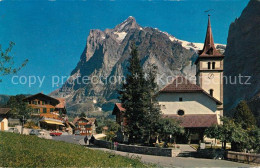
(106, 53)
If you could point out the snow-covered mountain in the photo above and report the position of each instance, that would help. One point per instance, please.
(106, 54)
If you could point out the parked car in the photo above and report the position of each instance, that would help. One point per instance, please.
(55, 133)
(14, 130)
(34, 132)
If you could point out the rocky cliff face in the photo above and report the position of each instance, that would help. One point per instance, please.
(242, 56)
(105, 57)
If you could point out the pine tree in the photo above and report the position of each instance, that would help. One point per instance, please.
(244, 115)
(137, 96)
(153, 112)
(132, 98)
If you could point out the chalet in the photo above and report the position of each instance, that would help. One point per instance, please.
(86, 126)
(50, 111)
(4, 118)
(197, 106)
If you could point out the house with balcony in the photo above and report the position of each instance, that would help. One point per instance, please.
(85, 126)
(49, 111)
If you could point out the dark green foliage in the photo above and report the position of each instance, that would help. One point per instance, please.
(3, 100)
(111, 124)
(142, 111)
(169, 127)
(113, 127)
(244, 116)
(7, 62)
(254, 135)
(233, 132)
(82, 114)
(18, 107)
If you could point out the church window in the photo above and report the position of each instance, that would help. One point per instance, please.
(209, 65)
(213, 65)
(180, 112)
(211, 92)
(180, 99)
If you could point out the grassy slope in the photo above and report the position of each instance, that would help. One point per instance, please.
(30, 151)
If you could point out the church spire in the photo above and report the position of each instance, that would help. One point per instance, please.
(209, 47)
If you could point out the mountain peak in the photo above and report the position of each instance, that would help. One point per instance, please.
(129, 23)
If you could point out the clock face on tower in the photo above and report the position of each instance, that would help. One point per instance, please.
(211, 76)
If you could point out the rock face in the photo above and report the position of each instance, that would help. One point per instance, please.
(105, 57)
(242, 56)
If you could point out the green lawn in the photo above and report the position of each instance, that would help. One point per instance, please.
(30, 151)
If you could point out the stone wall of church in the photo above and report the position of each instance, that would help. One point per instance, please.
(192, 103)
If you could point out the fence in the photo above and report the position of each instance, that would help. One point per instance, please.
(139, 149)
(243, 157)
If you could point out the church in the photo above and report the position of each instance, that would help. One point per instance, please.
(197, 106)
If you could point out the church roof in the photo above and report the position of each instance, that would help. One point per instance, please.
(194, 120)
(182, 85)
(209, 49)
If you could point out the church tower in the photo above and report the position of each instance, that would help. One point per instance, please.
(210, 64)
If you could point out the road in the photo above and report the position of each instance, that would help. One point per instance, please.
(69, 138)
(161, 160)
(178, 161)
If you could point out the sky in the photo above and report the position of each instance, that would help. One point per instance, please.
(52, 34)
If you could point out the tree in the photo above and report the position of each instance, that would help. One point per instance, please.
(152, 113)
(244, 116)
(254, 135)
(7, 62)
(82, 114)
(135, 96)
(229, 131)
(169, 127)
(19, 108)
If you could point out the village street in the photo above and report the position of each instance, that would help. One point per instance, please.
(177, 161)
(69, 138)
(160, 160)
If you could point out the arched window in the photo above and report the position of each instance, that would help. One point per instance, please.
(209, 64)
(180, 112)
(213, 65)
(211, 92)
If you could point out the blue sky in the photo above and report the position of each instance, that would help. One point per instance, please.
(52, 34)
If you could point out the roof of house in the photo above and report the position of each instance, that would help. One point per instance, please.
(41, 95)
(182, 85)
(89, 120)
(75, 120)
(118, 107)
(61, 104)
(209, 49)
(194, 120)
(4, 110)
(105, 128)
